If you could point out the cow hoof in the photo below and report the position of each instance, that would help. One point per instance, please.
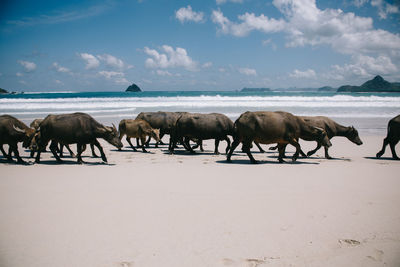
(254, 162)
(378, 155)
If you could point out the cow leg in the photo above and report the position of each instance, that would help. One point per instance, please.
(4, 152)
(311, 152)
(186, 144)
(143, 139)
(294, 143)
(79, 150)
(228, 144)
(259, 147)
(40, 149)
(94, 155)
(53, 149)
(392, 148)
(14, 148)
(148, 142)
(385, 143)
(326, 153)
(129, 142)
(235, 143)
(97, 144)
(160, 142)
(60, 150)
(216, 152)
(138, 143)
(70, 151)
(246, 148)
(281, 150)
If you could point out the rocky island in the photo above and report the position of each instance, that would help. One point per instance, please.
(377, 84)
(133, 88)
(3, 91)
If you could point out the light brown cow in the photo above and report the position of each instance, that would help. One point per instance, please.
(137, 129)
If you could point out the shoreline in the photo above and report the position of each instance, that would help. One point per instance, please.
(155, 209)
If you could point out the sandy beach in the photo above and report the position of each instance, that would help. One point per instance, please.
(157, 209)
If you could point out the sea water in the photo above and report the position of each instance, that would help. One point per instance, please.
(369, 112)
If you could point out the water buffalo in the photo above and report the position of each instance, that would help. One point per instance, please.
(392, 138)
(280, 127)
(79, 128)
(332, 129)
(137, 129)
(36, 124)
(13, 131)
(200, 127)
(163, 120)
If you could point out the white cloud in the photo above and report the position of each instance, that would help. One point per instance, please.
(91, 61)
(115, 76)
(113, 61)
(220, 2)
(163, 73)
(345, 32)
(59, 82)
(305, 24)
(384, 8)
(28, 66)
(207, 65)
(172, 58)
(187, 14)
(59, 68)
(250, 22)
(308, 74)
(19, 74)
(61, 16)
(248, 71)
(365, 67)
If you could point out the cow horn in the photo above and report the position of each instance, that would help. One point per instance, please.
(18, 129)
(115, 128)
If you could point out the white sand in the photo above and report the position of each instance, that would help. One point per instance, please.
(197, 210)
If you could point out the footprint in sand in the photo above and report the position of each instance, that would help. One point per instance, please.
(126, 264)
(377, 255)
(350, 242)
(245, 262)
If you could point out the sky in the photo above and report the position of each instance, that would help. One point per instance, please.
(208, 45)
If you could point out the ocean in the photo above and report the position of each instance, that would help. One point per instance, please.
(368, 112)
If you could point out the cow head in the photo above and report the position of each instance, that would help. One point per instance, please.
(34, 146)
(110, 134)
(155, 133)
(322, 137)
(352, 135)
(27, 135)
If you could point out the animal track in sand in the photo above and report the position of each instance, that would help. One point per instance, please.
(350, 242)
(377, 255)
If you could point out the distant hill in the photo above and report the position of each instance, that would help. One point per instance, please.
(377, 84)
(133, 88)
(255, 90)
(3, 91)
(327, 89)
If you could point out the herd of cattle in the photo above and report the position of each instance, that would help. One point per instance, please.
(262, 127)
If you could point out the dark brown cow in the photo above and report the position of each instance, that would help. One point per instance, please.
(195, 126)
(280, 127)
(332, 129)
(76, 128)
(163, 120)
(137, 129)
(13, 131)
(392, 138)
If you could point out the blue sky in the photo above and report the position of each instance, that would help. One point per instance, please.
(196, 45)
